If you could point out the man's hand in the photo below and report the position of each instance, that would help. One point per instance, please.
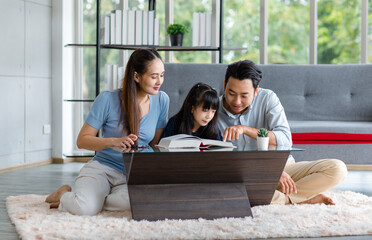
(287, 184)
(232, 133)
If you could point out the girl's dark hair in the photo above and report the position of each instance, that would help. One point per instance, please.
(130, 111)
(244, 69)
(203, 95)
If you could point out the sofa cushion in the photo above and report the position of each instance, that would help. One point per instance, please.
(322, 92)
(331, 126)
(331, 132)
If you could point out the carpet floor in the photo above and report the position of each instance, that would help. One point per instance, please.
(352, 215)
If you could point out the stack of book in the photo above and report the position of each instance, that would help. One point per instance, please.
(130, 27)
(201, 29)
(113, 76)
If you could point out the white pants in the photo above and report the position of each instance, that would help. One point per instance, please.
(98, 187)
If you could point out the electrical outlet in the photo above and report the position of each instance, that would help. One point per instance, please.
(46, 129)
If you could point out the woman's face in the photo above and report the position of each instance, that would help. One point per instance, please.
(202, 116)
(152, 79)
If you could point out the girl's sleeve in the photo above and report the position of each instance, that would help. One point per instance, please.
(99, 111)
(170, 129)
(164, 106)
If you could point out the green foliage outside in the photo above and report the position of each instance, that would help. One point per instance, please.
(339, 31)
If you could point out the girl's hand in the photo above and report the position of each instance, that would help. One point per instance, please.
(125, 142)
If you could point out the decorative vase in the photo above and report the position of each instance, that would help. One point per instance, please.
(262, 143)
(176, 39)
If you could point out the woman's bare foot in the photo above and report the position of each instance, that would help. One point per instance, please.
(320, 198)
(55, 196)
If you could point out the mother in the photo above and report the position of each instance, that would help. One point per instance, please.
(135, 114)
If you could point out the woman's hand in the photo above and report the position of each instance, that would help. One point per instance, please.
(124, 143)
(88, 139)
(287, 184)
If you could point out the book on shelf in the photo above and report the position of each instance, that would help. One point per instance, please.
(108, 77)
(118, 19)
(112, 28)
(121, 71)
(131, 27)
(115, 76)
(105, 29)
(138, 26)
(124, 38)
(124, 23)
(202, 29)
(151, 27)
(145, 28)
(195, 29)
(156, 31)
(208, 29)
(189, 141)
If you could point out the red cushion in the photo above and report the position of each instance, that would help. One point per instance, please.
(331, 138)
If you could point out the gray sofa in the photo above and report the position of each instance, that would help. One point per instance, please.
(332, 99)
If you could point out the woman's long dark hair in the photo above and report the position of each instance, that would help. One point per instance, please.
(203, 95)
(130, 110)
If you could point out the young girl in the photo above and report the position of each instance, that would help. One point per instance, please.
(197, 114)
(135, 114)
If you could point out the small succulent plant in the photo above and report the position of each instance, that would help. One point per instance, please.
(262, 132)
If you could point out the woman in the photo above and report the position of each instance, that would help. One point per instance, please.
(133, 115)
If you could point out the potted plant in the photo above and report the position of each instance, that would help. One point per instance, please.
(262, 139)
(176, 32)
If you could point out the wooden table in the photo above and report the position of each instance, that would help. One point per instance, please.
(201, 184)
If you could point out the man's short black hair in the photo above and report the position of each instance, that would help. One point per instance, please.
(244, 69)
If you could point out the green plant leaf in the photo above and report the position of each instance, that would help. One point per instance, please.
(177, 28)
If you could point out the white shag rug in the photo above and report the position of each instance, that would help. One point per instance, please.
(352, 215)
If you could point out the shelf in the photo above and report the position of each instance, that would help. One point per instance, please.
(80, 45)
(158, 48)
(78, 100)
(79, 154)
(161, 48)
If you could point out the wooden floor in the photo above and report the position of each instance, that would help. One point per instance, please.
(44, 179)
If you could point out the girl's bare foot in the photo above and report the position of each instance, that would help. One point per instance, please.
(55, 196)
(320, 198)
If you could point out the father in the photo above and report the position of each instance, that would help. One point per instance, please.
(244, 108)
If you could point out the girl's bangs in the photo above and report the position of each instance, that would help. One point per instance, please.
(209, 100)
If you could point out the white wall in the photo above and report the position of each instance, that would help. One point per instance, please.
(25, 81)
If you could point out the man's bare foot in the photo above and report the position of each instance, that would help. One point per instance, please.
(55, 196)
(320, 198)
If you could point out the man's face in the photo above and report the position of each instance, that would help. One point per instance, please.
(239, 95)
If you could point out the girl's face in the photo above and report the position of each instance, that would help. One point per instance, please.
(202, 116)
(151, 80)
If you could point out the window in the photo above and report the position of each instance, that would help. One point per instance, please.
(370, 32)
(288, 31)
(339, 31)
(241, 30)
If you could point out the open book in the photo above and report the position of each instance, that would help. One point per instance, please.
(189, 141)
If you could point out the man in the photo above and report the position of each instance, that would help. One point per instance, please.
(245, 108)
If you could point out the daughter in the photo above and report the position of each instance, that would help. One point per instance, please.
(197, 114)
